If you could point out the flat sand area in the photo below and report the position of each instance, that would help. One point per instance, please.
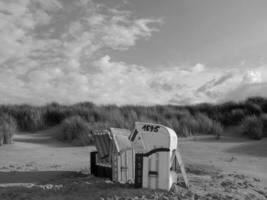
(230, 154)
(36, 158)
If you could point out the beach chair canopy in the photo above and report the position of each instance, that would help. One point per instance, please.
(120, 138)
(102, 142)
(106, 141)
(148, 136)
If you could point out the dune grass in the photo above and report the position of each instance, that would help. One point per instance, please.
(199, 124)
(185, 120)
(76, 131)
(254, 126)
(7, 129)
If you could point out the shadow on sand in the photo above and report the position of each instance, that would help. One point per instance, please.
(213, 139)
(255, 148)
(33, 177)
(42, 141)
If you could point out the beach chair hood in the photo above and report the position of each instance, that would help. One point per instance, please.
(147, 136)
(120, 138)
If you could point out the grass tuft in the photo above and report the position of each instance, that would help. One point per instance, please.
(76, 131)
(7, 128)
(252, 126)
(200, 124)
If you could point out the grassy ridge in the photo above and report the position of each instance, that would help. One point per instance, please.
(185, 120)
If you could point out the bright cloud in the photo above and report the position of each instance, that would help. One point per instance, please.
(252, 76)
(254, 83)
(198, 67)
(129, 84)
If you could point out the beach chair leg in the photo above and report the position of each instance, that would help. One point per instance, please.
(180, 162)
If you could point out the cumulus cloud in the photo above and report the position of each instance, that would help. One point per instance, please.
(252, 76)
(130, 84)
(234, 84)
(47, 49)
(18, 23)
(253, 83)
(198, 68)
(56, 51)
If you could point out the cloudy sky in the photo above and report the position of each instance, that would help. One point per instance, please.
(132, 51)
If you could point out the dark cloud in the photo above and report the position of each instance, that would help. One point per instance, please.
(215, 82)
(247, 90)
